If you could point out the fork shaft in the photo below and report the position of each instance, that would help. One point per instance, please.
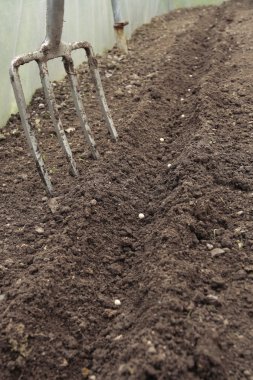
(55, 14)
(116, 11)
(55, 116)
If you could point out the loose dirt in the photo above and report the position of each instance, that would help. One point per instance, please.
(184, 273)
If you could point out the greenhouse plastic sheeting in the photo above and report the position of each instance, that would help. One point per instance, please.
(22, 30)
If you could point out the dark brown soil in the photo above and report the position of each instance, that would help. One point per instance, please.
(183, 273)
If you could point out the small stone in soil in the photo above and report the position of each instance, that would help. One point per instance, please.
(162, 139)
(141, 216)
(216, 252)
(22, 176)
(169, 165)
(240, 275)
(118, 93)
(39, 230)
(53, 205)
(249, 269)
(211, 299)
(117, 302)
(217, 283)
(93, 202)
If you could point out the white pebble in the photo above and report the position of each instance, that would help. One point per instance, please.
(41, 106)
(162, 139)
(169, 165)
(182, 99)
(39, 230)
(117, 302)
(182, 116)
(190, 75)
(189, 90)
(141, 216)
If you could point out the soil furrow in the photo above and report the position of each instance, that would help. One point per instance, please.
(183, 273)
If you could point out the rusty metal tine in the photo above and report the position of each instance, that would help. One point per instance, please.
(70, 70)
(55, 116)
(30, 136)
(100, 92)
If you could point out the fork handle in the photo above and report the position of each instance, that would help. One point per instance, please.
(55, 14)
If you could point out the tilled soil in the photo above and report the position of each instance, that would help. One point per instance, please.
(184, 273)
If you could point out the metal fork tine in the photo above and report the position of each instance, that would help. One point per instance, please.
(100, 92)
(69, 68)
(30, 136)
(53, 47)
(55, 116)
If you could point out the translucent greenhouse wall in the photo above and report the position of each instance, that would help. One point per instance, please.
(22, 30)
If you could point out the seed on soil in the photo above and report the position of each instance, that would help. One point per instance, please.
(117, 302)
(182, 99)
(182, 116)
(70, 129)
(162, 139)
(169, 165)
(240, 244)
(141, 216)
(118, 337)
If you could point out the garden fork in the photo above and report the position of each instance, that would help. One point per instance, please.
(52, 48)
